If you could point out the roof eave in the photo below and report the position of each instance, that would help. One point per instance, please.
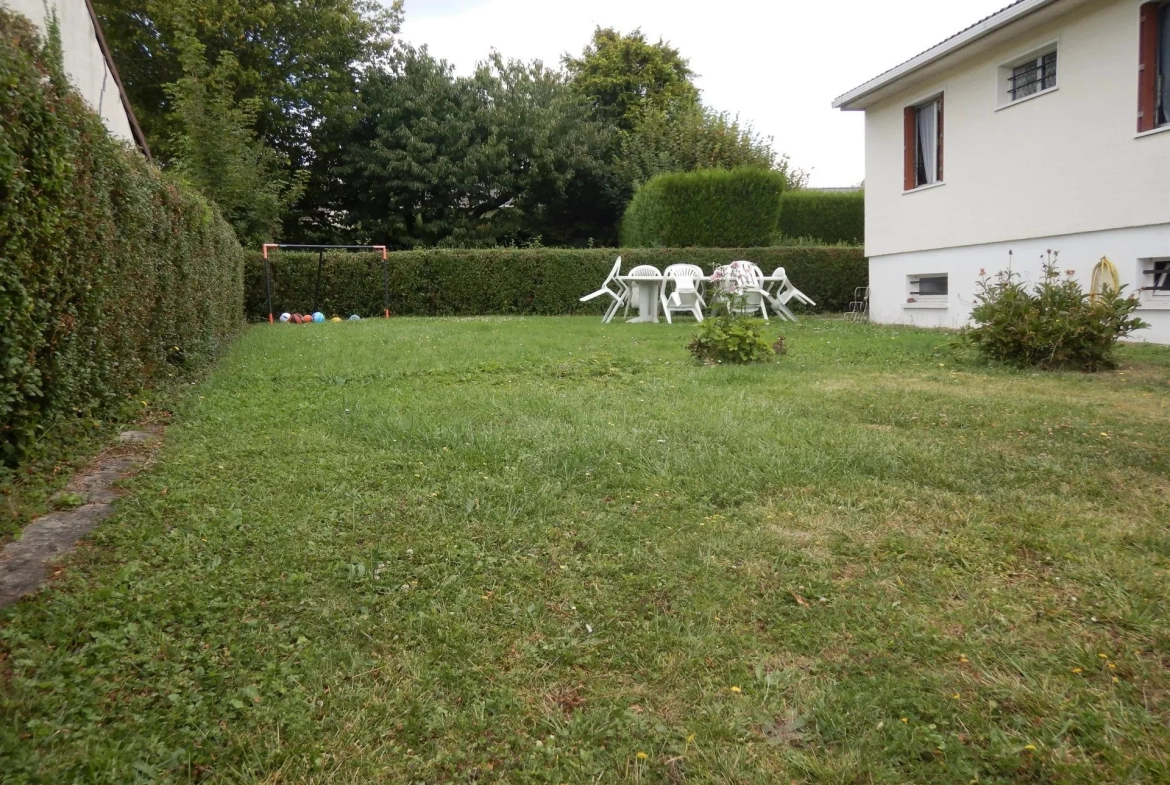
(855, 99)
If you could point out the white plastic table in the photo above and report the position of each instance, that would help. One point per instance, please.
(646, 291)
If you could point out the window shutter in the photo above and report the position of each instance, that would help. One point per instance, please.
(939, 173)
(910, 148)
(1147, 66)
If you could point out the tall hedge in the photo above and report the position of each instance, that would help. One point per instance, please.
(108, 269)
(824, 216)
(712, 208)
(518, 281)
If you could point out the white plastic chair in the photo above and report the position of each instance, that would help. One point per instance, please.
(784, 293)
(620, 297)
(641, 271)
(685, 297)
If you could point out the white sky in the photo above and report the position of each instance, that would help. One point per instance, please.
(778, 63)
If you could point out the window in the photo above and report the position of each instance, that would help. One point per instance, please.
(1154, 66)
(923, 140)
(928, 289)
(1157, 278)
(1034, 73)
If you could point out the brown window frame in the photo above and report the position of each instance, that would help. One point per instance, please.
(1150, 57)
(910, 144)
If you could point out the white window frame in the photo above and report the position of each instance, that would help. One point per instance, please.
(1003, 82)
(1153, 298)
(934, 100)
(916, 300)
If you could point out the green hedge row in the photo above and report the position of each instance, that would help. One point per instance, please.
(109, 271)
(518, 281)
(711, 208)
(825, 216)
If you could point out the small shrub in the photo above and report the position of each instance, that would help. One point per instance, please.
(731, 338)
(1054, 324)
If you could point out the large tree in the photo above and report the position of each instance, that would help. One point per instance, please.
(646, 93)
(488, 159)
(217, 150)
(294, 59)
(624, 77)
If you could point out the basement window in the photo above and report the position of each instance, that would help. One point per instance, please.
(927, 290)
(1156, 281)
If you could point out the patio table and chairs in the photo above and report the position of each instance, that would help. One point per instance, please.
(620, 297)
(645, 283)
(685, 297)
(677, 290)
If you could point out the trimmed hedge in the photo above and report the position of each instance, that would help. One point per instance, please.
(109, 271)
(453, 282)
(825, 216)
(711, 208)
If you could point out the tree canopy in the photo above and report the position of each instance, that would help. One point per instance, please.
(625, 78)
(308, 121)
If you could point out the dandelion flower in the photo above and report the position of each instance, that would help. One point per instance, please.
(642, 756)
(1030, 747)
(1076, 670)
(736, 689)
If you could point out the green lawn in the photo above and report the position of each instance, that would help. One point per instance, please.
(544, 550)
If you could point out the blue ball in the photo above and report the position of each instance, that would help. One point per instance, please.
(318, 317)
(355, 318)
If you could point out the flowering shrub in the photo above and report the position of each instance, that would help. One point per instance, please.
(731, 337)
(1053, 324)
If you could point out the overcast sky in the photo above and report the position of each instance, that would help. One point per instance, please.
(777, 63)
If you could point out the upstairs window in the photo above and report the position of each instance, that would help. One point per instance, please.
(1031, 77)
(1154, 66)
(923, 144)
(1028, 75)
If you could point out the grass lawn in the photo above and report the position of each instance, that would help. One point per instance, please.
(544, 550)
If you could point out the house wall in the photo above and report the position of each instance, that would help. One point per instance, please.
(84, 62)
(1126, 248)
(1063, 163)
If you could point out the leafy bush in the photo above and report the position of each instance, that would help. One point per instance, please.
(518, 281)
(1054, 324)
(712, 208)
(824, 216)
(727, 336)
(109, 268)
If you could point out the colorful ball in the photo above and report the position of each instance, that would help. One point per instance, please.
(284, 317)
(296, 318)
(318, 317)
(355, 318)
(335, 319)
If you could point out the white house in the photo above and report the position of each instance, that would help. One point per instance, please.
(1044, 126)
(87, 61)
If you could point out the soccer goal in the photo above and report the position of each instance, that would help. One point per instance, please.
(321, 249)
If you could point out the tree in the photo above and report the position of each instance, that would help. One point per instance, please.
(624, 78)
(696, 138)
(217, 151)
(483, 160)
(294, 60)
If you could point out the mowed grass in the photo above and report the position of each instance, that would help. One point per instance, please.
(547, 550)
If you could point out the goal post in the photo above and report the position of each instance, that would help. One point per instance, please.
(321, 249)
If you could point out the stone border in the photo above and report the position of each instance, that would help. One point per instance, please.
(25, 562)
